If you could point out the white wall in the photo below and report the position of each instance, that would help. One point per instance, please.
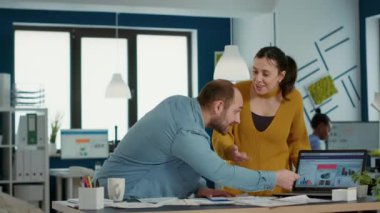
(373, 62)
(299, 27)
(251, 34)
(208, 8)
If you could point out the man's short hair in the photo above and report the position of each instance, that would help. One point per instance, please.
(217, 90)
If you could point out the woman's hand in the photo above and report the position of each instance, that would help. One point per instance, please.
(237, 156)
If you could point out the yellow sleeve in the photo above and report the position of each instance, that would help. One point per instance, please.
(223, 143)
(298, 138)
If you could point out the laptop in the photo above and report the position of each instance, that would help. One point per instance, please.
(321, 171)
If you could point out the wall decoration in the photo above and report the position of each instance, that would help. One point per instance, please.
(322, 90)
(327, 53)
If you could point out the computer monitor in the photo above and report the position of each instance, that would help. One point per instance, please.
(84, 143)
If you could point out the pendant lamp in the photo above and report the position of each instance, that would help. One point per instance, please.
(117, 88)
(231, 65)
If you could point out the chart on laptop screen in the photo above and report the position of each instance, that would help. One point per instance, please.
(328, 170)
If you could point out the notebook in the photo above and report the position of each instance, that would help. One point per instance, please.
(321, 171)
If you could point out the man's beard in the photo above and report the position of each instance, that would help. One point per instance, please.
(218, 124)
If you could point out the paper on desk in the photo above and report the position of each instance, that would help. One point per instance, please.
(76, 200)
(264, 201)
(205, 201)
(295, 199)
(133, 205)
(149, 203)
(158, 200)
(70, 204)
(173, 201)
(303, 199)
(73, 200)
(169, 201)
(182, 202)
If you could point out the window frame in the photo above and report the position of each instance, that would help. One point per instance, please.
(76, 33)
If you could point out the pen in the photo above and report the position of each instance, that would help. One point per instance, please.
(89, 181)
(84, 181)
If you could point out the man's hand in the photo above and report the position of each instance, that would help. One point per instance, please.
(207, 192)
(286, 178)
(238, 156)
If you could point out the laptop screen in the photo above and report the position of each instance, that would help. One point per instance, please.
(328, 169)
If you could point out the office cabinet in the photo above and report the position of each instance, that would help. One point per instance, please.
(24, 154)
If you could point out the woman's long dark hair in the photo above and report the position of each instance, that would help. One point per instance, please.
(283, 62)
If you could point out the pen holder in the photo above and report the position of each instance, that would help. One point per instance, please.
(91, 198)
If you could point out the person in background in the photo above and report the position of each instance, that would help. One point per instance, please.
(272, 130)
(321, 125)
(167, 151)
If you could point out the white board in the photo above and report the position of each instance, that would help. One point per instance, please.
(354, 135)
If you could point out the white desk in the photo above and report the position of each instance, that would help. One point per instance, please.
(360, 205)
(64, 173)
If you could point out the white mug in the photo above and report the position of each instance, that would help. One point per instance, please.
(116, 188)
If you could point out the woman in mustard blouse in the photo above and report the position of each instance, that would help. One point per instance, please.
(272, 129)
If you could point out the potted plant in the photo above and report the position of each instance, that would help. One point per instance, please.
(375, 158)
(376, 189)
(55, 126)
(375, 153)
(363, 179)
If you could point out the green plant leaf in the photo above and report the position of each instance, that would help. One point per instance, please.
(362, 178)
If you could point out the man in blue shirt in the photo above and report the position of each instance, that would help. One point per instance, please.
(167, 151)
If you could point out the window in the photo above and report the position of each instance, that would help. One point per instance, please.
(158, 57)
(101, 57)
(76, 64)
(43, 58)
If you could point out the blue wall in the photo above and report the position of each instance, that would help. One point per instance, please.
(213, 33)
(367, 8)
